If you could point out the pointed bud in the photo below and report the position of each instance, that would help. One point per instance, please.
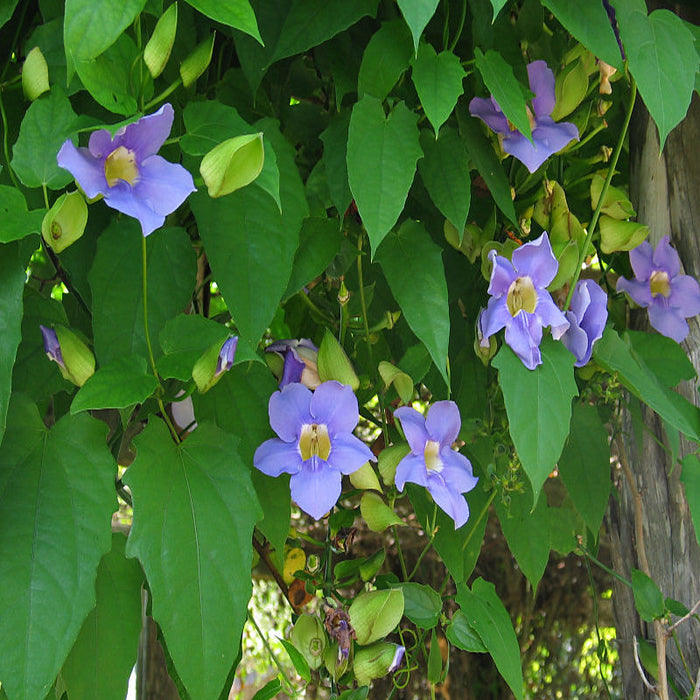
(401, 381)
(570, 89)
(73, 357)
(233, 164)
(375, 614)
(620, 235)
(485, 348)
(333, 363)
(210, 367)
(35, 74)
(65, 222)
(197, 62)
(309, 637)
(389, 459)
(159, 46)
(343, 294)
(376, 661)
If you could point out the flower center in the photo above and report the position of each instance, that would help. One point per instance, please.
(660, 283)
(314, 441)
(521, 295)
(121, 165)
(431, 455)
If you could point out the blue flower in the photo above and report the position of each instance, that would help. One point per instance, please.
(315, 443)
(52, 347)
(300, 361)
(520, 302)
(127, 172)
(432, 462)
(587, 316)
(226, 356)
(548, 137)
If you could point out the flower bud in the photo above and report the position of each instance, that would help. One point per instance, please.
(570, 89)
(73, 357)
(309, 637)
(157, 50)
(293, 361)
(343, 294)
(65, 222)
(213, 363)
(606, 72)
(35, 74)
(233, 164)
(484, 348)
(620, 235)
(375, 614)
(333, 363)
(197, 62)
(376, 661)
(401, 381)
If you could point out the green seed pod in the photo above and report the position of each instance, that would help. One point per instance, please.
(159, 46)
(375, 614)
(197, 62)
(233, 164)
(78, 360)
(333, 363)
(65, 222)
(309, 637)
(376, 661)
(35, 74)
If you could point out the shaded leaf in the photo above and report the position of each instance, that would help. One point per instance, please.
(234, 13)
(648, 599)
(690, 478)
(422, 604)
(15, 221)
(460, 633)
(386, 57)
(417, 14)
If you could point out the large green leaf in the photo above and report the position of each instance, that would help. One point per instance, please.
(438, 80)
(194, 513)
(417, 14)
(335, 146)
(56, 502)
(92, 26)
(502, 84)
(615, 355)
(412, 265)
(584, 465)
(486, 614)
(101, 660)
(538, 403)
(7, 7)
(648, 599)
(382, 155)
(662, 59)
(690, 478)
(445, 173)
(422, 605)
(48, 122)
(663, 356)
(235, 13)
(15, 221)
(116, 281)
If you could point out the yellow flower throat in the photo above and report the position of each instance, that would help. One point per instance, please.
(314, 441)
(660, 284)
(521, 295)
(121, 165)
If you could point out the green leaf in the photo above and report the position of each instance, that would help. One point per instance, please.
(357, 694)
(497, 5)
(584, 465)
(438, 80)
(269, 690)
(648, 599)
(194, 513)
(413, 267)
(56, 502)
(417, 14)
(485, 614)
(527, 533)
(538, 404)
(434, 660)
(234, 13)
(690, 478)
(335, 146)
(445, 173)
(15, 221)
(615, 355)
(663, 356)
(662, 59)
(7, 8)
(92, 26)
(382, 156)
(387, 56)
(118, 318)
(462, 635)
(481, 152)
(48, 122)
(502, 84)
(301, 665)
(589, 23)
(101, 660)
(122, 383)
(422, 604)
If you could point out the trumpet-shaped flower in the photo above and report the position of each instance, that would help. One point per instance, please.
(432, 462)
(315, 443)
(52, 347)
(300, 358)
(659, 286)
(520, 302)
(127, 172)
(548, 137)
(587, 316)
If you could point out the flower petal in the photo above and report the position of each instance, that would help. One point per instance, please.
(529, 154)
(576, 341)
(147, 135)
(668, 322)
(335, 405)
(639, 292)
(121, 197)
(685, 295)
(293, 368)
(495, 316)
(487, 109)
(523, 336)
(550, 314)
(457, 471)
(443, 422)
(88, 171)
(413, 426)
(502, 274)
(349, 453)
(162, 185)
(289, 410)
(454, 504)
(275, 457)
(101, 144)
(411, 468)
(536, 260)
(666, 258)
(542, 82)
(316, 488)
(552, 136)
(642, 261)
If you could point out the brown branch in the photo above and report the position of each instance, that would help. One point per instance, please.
(670, 630)
(264, 552)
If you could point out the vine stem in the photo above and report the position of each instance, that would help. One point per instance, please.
(273, 656)
(483, 512)
(5, 144)
(159, 98)
(611, 171)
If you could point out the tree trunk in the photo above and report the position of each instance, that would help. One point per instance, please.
(664, 190)
(153, 681)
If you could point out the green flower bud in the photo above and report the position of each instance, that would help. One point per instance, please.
(401, 381)
(35, 74)
(570, 89)
(375, 614)
(65, 222)
(197, 62)
(333, 363)
(78, 361)
(157, 50)
(233, 164)
(309, 637)
(210, 367)
(620, 235)
(376, 661)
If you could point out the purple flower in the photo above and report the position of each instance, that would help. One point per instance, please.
(548, 137)
(520, 302)
(127, 171)
(398, 658)
(432, 462)
(587, 316)
(315, 444)
(226, 356)
(51, 345)
(300, 358)
(668, 296)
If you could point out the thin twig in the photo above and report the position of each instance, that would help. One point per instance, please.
(264, 553)
(638, 664)
(690, 614)
(696, 692)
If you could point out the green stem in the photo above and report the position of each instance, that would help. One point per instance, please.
(5, 144)
(591, 134)
(273, 656)
(460, 27)
(611, 171)
(163, 95)
(483, 512)
(597, 628)
(599, 563)
(426, 548)
(402, 561)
